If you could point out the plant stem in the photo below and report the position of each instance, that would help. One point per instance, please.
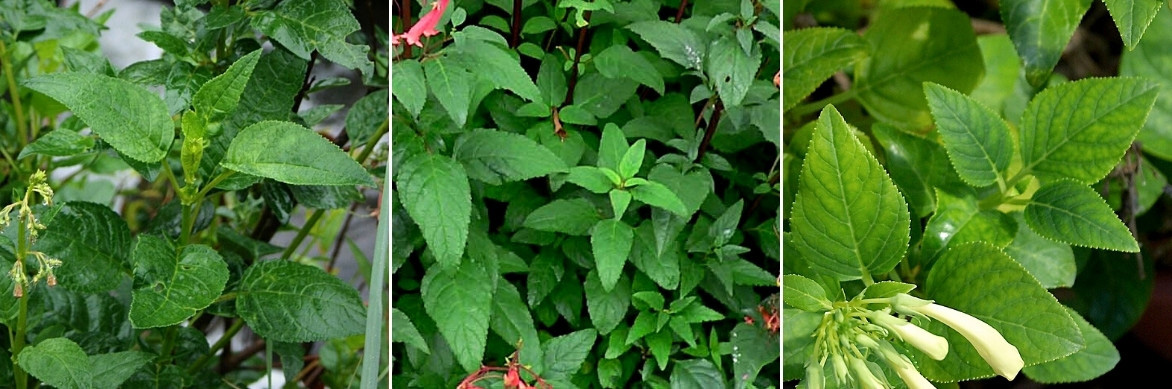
(302, 233)
(370, 143)
(680, 13)
(577, 56)
(188, 222)
(516, 27)
(215, 181)
(169, 341)
(713, 121)
(224, 340)
(22, 316)
(809, 108)
(21, 129)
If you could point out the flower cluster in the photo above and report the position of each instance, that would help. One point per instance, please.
(425, 26)
(30, 229)
(850, 334)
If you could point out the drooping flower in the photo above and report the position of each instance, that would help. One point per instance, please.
(863, 375)
(1003, 357)
(425, 26)
(935, 346)
(898, 362)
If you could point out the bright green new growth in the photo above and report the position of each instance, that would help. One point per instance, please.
(977, 139)
(1072, 213)
(848, 219)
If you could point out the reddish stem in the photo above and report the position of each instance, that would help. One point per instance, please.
(680, 13)
(406, 15)
(577, 57)
(516, 24)
(711, 129)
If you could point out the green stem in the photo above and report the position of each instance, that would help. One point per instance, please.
(227, 337)
(188, 222)
(867, 280)
(170, 175)
(21, 326)
(302, 233)
(809, 108)
(378, 134)
(21, 129)
(215, 181)
(169, 341)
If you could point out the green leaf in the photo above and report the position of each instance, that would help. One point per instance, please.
(410, 90)
(980, 280)
(60, 142)
(691, 188)
(619, 61)
(1133, 17)
(811, 55)
(565, 355)
(59, 362)
(612, 147)
(890, 86)
(1065, 135)
(544, 273)
(610, 372)
(797, 340)
(130, 118)
(573, 217)
(697, 313)
(459, 299)
(696, 374)
(111, 370)
(452, 86)
(170, 287)
(977, 139)
(848, 218)
(573, 114)
(607, 308)
(1152, 59)
(1052, 263)
(402, 330)
(673, 41)
(753, 348)
(732, 70)
(434, 190)
(803, 293)
(1111, 290)
(663, 267)
(512, 321)
(290, 302)
(611, 242)
(591, 178)
(497, 65)
(632, 159)
(619, 201)
(220, 95)
(1002, 69)
(660, 345)
(367, 114)
(1099, 357)
(1073, 213)
(602, 96)
(551, 81)
(658, 195)
(322, 26)
(93, 244)
(959, 219)
(917, 166)
(885, 289)
(496, 157)
(1040, 30)
(292, 154)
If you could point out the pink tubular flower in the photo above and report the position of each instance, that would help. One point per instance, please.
(425, 26)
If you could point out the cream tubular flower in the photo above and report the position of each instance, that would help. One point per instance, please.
(863, 375)
(1002, 357)
(935, 346)
(902, 366)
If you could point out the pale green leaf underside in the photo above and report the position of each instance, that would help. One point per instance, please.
(1040, 30)
(980, 280)
(130, 118)
(1051, 262)
(919, 44)
(496, 157)
(58, 362)
(611, 241)
(460, 301)
(1099, 357)
(434, 190)
(811, 55)
(977, 139)
(290, 302)
(1132, 17)
(293, 154)
(1152, 59)
(1073, 213)
(1081, 129)
(848, 216)
(170, 288)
